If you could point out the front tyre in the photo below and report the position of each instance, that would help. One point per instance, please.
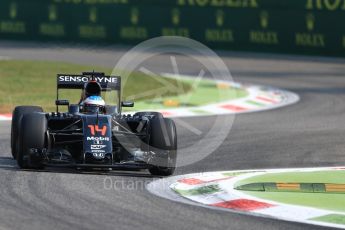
(163, 142)
(17, 116)
(32, 137)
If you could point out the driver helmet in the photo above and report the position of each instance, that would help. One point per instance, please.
(92, 88)
(93, 104)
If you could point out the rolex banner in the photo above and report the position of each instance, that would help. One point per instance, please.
(283, 26)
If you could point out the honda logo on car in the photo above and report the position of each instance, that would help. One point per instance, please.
(86, 79)
(98, 138)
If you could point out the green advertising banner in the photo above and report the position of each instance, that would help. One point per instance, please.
(284, 26)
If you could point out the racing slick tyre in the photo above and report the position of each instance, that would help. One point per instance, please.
(163, 142)
(17, 116)
(32, 137)
(149, 114)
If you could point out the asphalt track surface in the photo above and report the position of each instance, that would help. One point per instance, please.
(309, 133)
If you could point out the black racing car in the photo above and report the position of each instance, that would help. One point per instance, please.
(93, 137)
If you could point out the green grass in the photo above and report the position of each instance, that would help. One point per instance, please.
(34, 83)
(334, 177)
(332, 218)
(205, 92)
(334, 202)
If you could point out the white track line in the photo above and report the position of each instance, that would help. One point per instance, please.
(226, 194)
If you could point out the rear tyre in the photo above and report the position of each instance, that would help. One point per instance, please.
(163, 142)
(32, 136)
(17, 116)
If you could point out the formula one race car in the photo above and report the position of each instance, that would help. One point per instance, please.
(92, 134)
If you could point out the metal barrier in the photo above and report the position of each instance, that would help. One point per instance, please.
(312, 27)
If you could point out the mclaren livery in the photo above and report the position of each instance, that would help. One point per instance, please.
(92, 134)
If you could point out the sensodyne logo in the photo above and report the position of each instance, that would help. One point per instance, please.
(86, 79)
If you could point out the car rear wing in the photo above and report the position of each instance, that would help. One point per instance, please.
(71, 81)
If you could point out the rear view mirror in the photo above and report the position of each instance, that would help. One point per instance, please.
(127, 104)
(62, 102)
